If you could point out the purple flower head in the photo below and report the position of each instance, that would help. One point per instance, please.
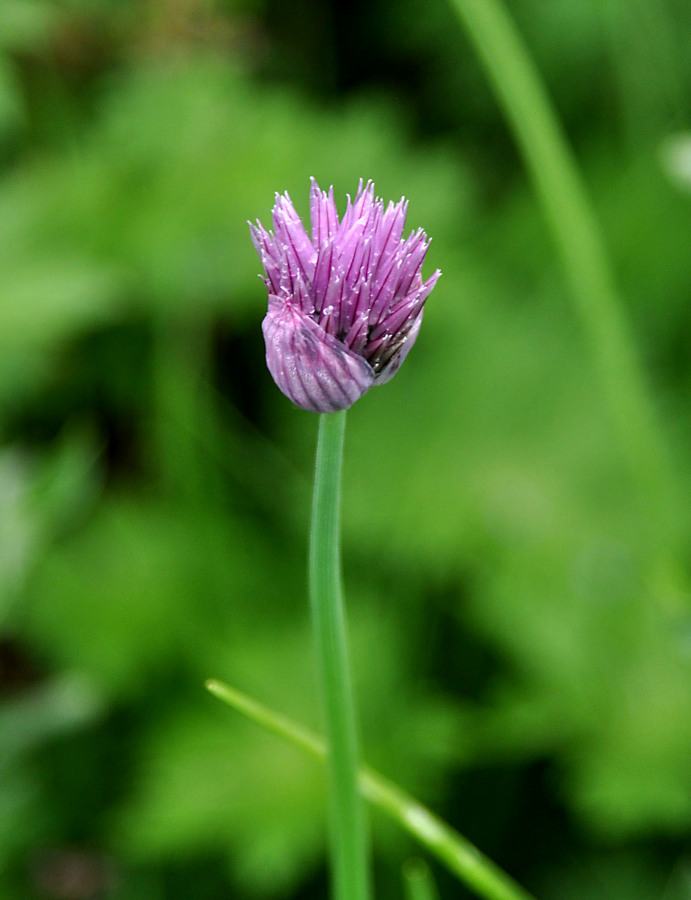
(346, 304)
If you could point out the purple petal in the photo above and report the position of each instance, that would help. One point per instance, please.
(395, 321)
(313, 369)
(322, 273)
(302, 295)
(390, 369)
(354, 293)
(356, 338)
(413, 252)
(361, 207)
(355, 330)
(269, 256)
(334, 291)
(384, 291)
(323, 214)
(389, 235)
(405, 309)
(291, 232)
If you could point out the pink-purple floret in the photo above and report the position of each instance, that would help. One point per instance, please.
(346, 304)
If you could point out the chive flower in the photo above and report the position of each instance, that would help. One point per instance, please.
(346, 304)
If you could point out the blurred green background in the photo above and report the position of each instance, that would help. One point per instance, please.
(515, 668)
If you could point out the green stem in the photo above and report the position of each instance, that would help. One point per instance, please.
(550, 161)
(348, 829)
(458, 854)
(418, 881)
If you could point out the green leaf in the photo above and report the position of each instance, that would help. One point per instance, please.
(455, 852)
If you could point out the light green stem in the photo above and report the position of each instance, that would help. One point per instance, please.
(418, 881)
(348, 828)
(472, 867)
(550, 161)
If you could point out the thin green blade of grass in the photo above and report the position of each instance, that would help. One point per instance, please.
(450, 848)
(552, 166)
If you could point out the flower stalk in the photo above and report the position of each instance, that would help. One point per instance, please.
(348, 828)
(345, 307)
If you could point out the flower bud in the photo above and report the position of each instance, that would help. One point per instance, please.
(346, 304)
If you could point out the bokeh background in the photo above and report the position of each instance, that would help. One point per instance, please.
(518, 667)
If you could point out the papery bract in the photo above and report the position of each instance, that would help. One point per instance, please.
(346, 304)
